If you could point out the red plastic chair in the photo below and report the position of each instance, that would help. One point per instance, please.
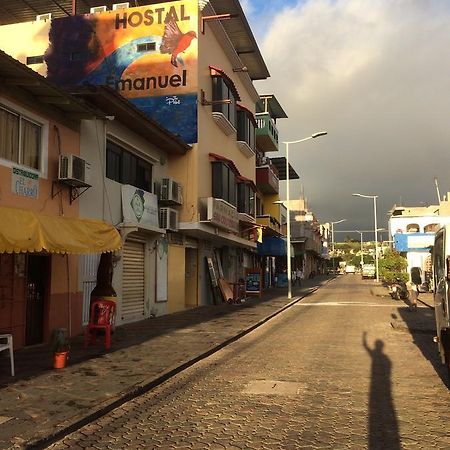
(102, 317)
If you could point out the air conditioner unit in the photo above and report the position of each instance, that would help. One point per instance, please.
(98, 9)
(72, 170)
(170, 191)
(124, 5)
(168, 219)
(47, 16)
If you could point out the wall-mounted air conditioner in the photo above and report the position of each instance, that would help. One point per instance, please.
(98, 9)
(124, 5)
(168, 219)
(72, 169)
(170, 192)
(47, 16)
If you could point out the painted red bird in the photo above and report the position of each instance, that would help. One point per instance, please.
(174, 41)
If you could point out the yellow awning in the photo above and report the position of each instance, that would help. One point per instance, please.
(22, 230)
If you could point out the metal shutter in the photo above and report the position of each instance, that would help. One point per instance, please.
(133, 289)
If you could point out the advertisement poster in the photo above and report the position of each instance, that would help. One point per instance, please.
(148, 54)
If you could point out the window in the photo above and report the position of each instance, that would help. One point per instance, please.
(246, 199)
(221, 91)
(35, 60)
(259, 207)
(223, 182)
(412, 228)
(439, 262)
(146, 47)
(126, 168)
(82, 55)
(20, 139)
(245, 128)
(431, 228)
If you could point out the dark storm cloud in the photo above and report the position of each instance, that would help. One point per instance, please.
(375, 75)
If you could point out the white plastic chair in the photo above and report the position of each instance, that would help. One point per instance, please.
(8, 346)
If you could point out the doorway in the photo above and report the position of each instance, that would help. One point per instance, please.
(37, 283)
(191, 277)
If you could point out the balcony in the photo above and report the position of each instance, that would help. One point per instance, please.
(267, 179)
(270, 222)
(266, 133)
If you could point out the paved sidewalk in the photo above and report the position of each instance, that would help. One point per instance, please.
(41, 403)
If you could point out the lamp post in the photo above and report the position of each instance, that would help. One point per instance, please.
(288, 215)
(374, 197)
(332, 237)
(362, 254)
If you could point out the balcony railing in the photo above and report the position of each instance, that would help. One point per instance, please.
(267, 179)
(269, 221)
(266, 133)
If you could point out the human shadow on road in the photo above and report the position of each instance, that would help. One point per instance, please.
(421, 325)
(383, 432)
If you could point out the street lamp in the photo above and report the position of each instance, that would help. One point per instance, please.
(332, 237)
(362, 257)
(288, 215)
(374, 197)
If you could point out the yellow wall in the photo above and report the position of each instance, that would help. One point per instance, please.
(21, 40)
(184, 170)
(270, 207)
(176, 269)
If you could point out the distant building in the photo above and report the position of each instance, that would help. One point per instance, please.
(412, 230)
(309, 238)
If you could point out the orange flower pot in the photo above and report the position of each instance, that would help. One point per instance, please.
(60, 360)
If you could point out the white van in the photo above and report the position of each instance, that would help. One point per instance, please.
(350, 269)
(441, 269)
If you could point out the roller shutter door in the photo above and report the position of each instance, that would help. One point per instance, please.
(133, 289)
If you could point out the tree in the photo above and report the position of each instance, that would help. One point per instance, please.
(393, 266)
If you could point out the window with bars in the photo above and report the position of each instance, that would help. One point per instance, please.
(127, 168)
(20, 138)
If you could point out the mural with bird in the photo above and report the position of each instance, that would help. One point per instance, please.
(174, 41)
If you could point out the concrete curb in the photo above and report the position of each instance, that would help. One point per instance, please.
(74, 424)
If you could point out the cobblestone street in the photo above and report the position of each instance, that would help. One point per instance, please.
(329, 372)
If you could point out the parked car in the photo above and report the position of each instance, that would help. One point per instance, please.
(441, 266)
(350, 269)
(368, 271)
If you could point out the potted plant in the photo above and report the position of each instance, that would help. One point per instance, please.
(60, 346)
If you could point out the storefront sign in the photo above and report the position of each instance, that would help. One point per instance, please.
(413, 241)
(25, 183)
(139, 206)
(222, 214)
(151, 58)
(253, 282)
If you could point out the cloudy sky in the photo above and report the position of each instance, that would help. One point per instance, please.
(375, 74)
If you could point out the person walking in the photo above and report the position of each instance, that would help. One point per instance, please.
(299, 276)
(413, 287)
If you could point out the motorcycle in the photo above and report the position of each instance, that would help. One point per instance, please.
(398, 290)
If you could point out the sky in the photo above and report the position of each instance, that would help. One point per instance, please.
(375, 74)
